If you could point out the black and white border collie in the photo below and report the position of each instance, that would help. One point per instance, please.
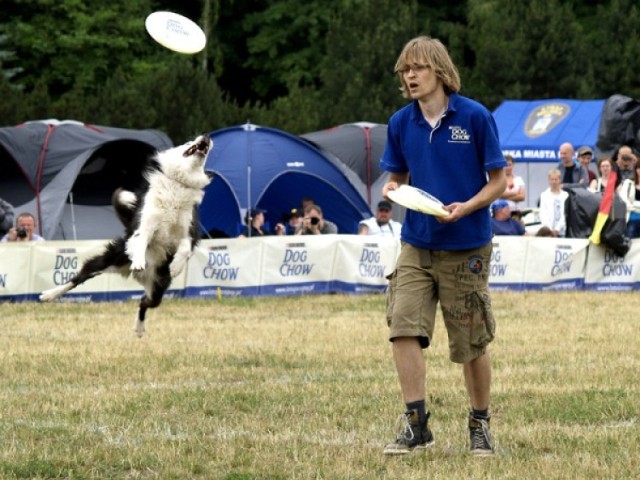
(161, 226)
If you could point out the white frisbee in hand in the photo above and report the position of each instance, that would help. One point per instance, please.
(175, 32)
(418, 200)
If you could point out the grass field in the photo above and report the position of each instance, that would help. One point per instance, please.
(305, 388)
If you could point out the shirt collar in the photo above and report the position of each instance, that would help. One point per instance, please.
(416, 114)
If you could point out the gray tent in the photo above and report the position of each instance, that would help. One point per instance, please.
(358, 147)
(64, 172)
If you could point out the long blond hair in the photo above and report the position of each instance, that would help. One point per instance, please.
(432, 53)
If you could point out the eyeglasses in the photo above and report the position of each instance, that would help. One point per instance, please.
(417, 68)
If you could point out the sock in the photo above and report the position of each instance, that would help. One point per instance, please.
(480, 414)
(418, 405)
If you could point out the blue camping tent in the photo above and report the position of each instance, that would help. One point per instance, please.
(265, 168)
(532, 131)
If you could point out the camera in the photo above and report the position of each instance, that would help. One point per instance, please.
(22, 232)
(314, 220)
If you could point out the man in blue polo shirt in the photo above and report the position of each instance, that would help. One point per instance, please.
(447, 145)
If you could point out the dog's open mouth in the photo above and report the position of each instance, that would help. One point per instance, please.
(201, 146)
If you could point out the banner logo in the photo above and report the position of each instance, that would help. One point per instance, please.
(545, 118)
(614, 266)
(219, 265)
(66, 266)
(370, 265)
(295, 263)
(562, 261)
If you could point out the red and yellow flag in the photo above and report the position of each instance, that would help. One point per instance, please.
(605, 208)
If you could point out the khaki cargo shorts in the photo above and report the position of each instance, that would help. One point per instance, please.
(459, 280)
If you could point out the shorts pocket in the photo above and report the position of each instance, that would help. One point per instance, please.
(391, 294)
(483, 326)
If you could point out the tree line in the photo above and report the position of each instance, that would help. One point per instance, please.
(297, 65)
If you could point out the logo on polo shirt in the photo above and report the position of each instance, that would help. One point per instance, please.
(459, 135)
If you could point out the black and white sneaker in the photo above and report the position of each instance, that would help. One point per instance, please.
(480, 435)
(412, 435)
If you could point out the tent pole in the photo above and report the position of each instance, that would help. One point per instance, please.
(249, 166)
(73, 216)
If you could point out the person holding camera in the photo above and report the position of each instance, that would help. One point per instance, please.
(626, 161)
(24, 231)
(313, 222)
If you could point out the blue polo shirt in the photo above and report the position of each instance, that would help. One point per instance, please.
(449, 161)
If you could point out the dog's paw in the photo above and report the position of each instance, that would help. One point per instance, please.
(137, 264)
(176, 267)
(138, 327)
(53, 293)
(48, 295)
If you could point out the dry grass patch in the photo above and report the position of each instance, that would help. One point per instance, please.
(304, 387)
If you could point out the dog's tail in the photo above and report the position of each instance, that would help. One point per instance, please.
(125, 204)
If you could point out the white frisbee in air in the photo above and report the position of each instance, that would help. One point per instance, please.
(418, 200)
(175, 32)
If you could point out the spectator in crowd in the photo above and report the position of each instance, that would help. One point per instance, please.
(625, 159)
(24, 231)
(585, 155)
(605, 167)
(305, 202)
(633, 223)
(544, 232)
(515, 191)
(502, 222)
(6, 217)
(552, 204)
(313, 222)
(381, 224)
(255, 225)
(572, 172)
(291, 220)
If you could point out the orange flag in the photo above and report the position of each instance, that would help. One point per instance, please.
(605, 208)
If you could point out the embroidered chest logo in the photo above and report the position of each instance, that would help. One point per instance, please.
(459, 135)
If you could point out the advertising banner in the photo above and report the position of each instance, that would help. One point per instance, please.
(506, 269)
(555, 263)
(15, 276)
(362, 263)
(298, 264)
(55, 263)
(607, 271)
(225, 268)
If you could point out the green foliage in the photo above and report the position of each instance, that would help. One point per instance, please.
(614, 67)
(540, 57)
(362, 46)
(75, 43)
(298, 65)
(272, 33)
(10, 106)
